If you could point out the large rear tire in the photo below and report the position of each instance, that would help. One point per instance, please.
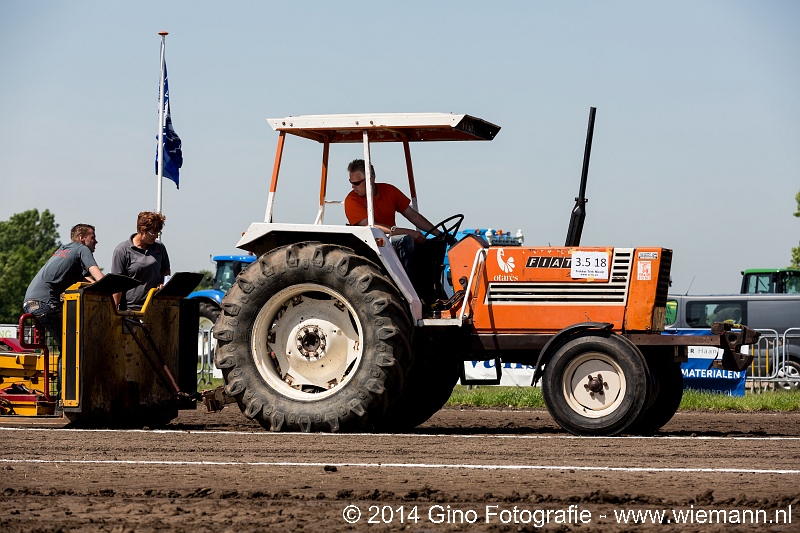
(595, 384)
(313, 337)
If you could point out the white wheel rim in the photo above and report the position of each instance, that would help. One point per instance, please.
(584, 401)
(307, 342)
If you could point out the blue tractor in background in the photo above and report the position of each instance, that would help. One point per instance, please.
(228, 267)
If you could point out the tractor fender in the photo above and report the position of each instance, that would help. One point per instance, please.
(560, 338)
(369, 242)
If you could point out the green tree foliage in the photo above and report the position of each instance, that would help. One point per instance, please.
(27, 241)
(207, 282)
(797, 199)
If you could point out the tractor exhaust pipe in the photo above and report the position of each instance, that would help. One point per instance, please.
(579, 211)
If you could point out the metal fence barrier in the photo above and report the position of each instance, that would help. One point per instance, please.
(205, 356)
(772, 368)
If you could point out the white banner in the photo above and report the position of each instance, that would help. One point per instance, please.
(8, 331)
(514, 374)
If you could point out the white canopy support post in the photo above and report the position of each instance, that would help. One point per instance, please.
(274, 184)
(368, 176)
(412, 187)
(161, 118)
(323, 183)
(474, 278)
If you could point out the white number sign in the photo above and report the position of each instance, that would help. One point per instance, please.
(590, 265)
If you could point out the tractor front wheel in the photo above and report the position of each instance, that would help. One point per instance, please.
(595, 384)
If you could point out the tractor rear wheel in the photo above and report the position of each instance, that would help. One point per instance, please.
(666, 383)
(313, 338)
(595, 384)
(429, 384)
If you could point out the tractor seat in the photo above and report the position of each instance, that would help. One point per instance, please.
(427, 268)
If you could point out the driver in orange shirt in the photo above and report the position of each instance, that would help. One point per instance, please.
(387, 200)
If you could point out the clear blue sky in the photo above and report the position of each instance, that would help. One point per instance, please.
(696, 144)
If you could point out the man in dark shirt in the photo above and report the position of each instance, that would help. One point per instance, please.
(143, 258)
(71, 263)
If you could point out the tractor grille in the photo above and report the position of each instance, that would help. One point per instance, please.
(663, 278)
(613, 292)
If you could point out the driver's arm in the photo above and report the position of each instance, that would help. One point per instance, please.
(416, 235)
(385, 229)
(413, 217)
(419, 221)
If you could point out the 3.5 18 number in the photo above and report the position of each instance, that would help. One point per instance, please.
(587, 262)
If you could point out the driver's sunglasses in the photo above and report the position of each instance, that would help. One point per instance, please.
(357, 183)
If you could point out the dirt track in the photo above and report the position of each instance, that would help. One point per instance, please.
(253, 480)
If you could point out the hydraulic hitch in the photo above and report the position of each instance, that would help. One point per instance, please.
(732, 338)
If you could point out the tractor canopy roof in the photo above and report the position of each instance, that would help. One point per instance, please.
(387, 127)
(368, 128)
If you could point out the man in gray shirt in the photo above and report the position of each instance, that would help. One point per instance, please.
(71, 263)
(141, 257)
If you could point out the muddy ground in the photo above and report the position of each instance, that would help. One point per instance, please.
(222, 472)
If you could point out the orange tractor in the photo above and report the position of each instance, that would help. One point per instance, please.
(326, 331)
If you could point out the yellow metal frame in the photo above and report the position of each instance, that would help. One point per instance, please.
(73, 295)
(76, 296)
(141, 311)
(26, 369)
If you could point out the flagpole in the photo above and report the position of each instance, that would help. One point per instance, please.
(163, 35)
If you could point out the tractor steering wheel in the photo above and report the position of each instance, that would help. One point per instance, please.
(448, 232)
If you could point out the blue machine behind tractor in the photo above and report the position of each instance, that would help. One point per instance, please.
(228, 267)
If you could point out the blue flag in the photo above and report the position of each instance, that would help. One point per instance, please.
(173, 157)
